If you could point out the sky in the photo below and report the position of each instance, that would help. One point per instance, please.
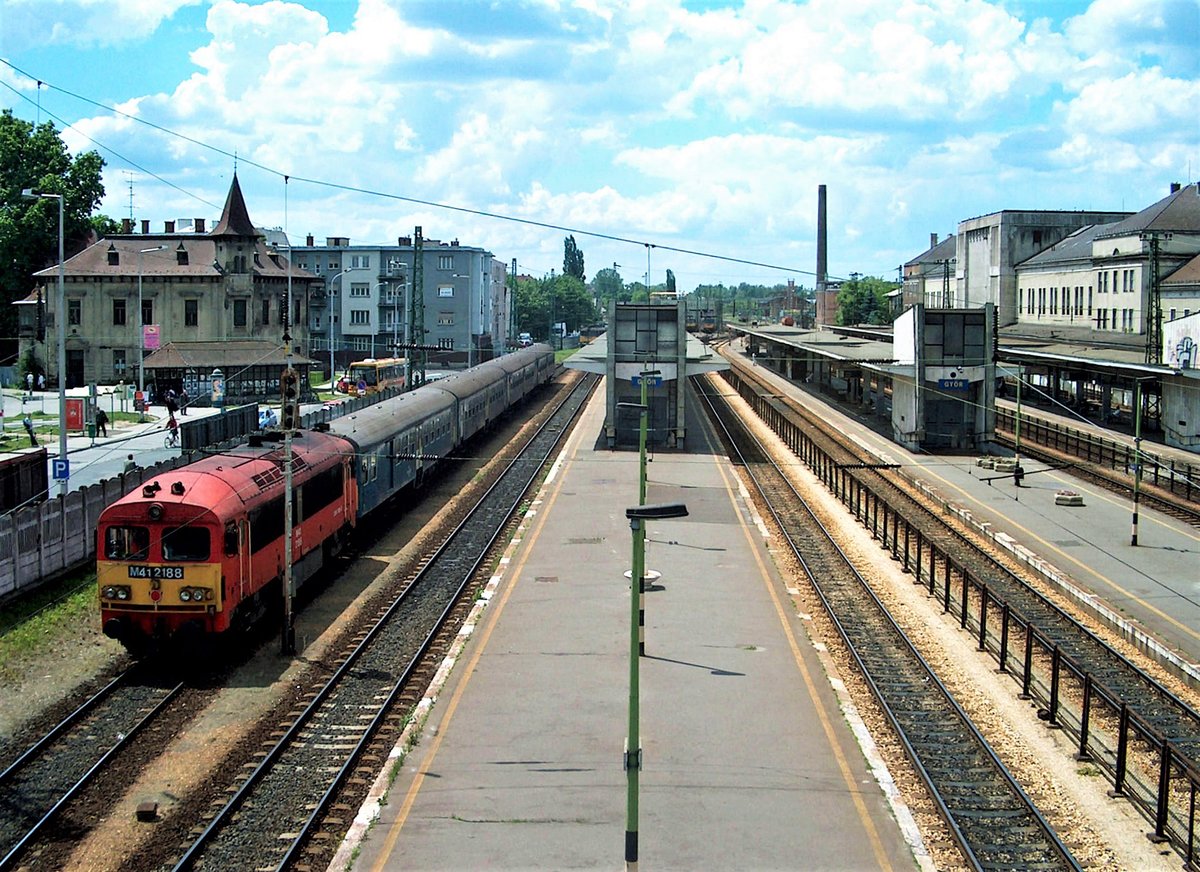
(688, 135)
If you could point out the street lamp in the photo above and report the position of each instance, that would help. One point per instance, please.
(61, 305)
(638, 515)
(332, 378)
(141, 331)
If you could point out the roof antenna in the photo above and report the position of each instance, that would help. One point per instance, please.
(235, 161)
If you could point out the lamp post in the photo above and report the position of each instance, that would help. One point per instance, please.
(1137, 456)
(61, 305)
(332, 375)
(141, 331)
(638, 516)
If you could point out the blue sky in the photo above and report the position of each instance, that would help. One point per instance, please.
(685, 124)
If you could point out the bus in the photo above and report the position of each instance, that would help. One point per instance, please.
(374, 375)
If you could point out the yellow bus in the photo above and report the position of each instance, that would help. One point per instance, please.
(371, 376)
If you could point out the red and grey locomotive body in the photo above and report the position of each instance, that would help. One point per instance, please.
(196, 549)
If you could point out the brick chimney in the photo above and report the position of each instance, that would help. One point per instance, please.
(933, 240)
(404, 241)
(308, 240)
(145, 225)
(168, 227)
(1175, 186)
(199, 225)
(126, 225)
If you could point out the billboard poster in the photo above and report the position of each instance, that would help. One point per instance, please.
(150, 337)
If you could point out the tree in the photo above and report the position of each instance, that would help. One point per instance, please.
(36, 157)
(863, 300)
(572, 259)
(670, 282)
(608, 286)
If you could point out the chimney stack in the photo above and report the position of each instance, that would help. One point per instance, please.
(933, 240)
(822, 240)
(308, 240)
(1175, 186)
(126, 225)
(168, 227)
(146, 225)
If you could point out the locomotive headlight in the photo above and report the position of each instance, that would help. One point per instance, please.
(185, 594)
(122, 593)
(109, 592)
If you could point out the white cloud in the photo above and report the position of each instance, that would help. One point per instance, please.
(83, 22)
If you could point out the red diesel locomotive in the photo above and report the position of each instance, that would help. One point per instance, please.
(194, 551)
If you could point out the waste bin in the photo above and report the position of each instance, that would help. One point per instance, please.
(91, 429)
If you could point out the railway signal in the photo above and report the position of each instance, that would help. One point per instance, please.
(289, 416)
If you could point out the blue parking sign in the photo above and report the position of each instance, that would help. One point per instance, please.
(60, 469)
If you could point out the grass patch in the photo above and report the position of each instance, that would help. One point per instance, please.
(563, 353)
(31, 625)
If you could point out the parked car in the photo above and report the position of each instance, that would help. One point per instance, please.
(267, 418)
(524, 340)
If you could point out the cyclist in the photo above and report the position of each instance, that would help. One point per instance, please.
(172, 430)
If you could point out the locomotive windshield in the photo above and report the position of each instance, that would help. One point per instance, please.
(186, 543)
(127, 543)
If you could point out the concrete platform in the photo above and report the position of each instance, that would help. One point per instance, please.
(749, 760)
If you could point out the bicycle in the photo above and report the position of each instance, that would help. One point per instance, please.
(172, 440)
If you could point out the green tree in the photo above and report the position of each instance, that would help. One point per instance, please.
(36, 157)
(863, 300)
(608, 286)
(670, 282)
(572, 259)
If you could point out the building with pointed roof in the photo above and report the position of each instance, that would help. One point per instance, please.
(131, 293)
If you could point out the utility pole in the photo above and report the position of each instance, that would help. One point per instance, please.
(1154, 307)
(416, 318)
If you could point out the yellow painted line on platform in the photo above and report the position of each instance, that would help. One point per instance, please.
(493, 617)
(1054, 549)
(831, 735)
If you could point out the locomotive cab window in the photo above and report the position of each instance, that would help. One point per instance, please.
(186, 543)
(231, 539)
(127, 543)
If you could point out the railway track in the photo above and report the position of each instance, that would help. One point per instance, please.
(272, 816)
(36, 786)
(1113, 479)
(1137, 731)
(994, 821)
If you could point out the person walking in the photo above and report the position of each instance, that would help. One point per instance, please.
(41, 381)
(184, 399)
(29, 383)
(102, 422)
(28, 423)
(130, 464)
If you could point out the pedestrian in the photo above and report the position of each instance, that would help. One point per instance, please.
(28, 422)
(41, 381)
(184, 399)
(29, 382)
(169, 402)
(130, 464)
(102, 422)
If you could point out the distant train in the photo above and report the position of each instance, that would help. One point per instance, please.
(198, 551)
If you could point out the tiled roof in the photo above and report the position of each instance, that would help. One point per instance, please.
(1179, 211)
(1188, 274)
(235, 219)
(1074, 247)
(201, 255)
(947, 249)
(224, 353)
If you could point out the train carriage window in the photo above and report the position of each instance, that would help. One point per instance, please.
(186, 543)
(231, 539)
(127, 543)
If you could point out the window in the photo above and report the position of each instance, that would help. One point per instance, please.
(360, 343)
(335, 265)
(127, 543)
(446, 343)
(445, 319)
(360, 316)
(266, 311)
(445, 291)
(1089, 312)
(147, 311)
(360, 289)
(239, 313)
(360, 261)
(445, 261)
(74, 313)
(119, 365)
(118, 313)
(1172, 318)
(185, 543)
(191, 313)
